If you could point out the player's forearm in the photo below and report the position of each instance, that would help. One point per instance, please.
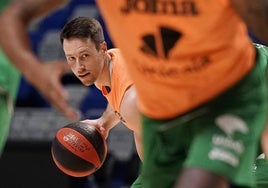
(14, 40)
(109, 119)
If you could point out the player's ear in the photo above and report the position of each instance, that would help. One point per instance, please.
(103, 46)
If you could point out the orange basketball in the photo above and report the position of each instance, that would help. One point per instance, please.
(79, 149)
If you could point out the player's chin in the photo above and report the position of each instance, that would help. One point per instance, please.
(86, 82)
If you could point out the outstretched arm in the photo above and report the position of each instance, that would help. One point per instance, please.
(131, 114)
(14, 40)
(255, 15)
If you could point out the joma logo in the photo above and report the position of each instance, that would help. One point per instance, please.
(185, 7)
(168, 37)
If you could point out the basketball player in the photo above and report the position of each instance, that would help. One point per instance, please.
(18, 59)
(200, 83)
(16, 19)
(92, 63)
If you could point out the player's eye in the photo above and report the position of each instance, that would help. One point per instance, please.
(70, 59)
(84, 57)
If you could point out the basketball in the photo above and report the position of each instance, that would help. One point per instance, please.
(79, 149)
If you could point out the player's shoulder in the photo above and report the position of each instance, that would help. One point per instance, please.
(115, 50)
(115, 54)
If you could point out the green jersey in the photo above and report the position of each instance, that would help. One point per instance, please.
(9, 82)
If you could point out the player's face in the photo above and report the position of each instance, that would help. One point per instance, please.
(84, 59)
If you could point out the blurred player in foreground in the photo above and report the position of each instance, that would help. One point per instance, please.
(16, 58)
(92, 63)
(201, 86)
(186, 39)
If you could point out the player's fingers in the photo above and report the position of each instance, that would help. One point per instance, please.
(65, 109)
(58, 98)
(103, 131)
(62, 67)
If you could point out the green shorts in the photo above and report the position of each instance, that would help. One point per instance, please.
(260, 170)
(9, 82)
(5, 116)
(221, 136)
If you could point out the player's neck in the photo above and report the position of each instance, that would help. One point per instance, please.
(105, 79)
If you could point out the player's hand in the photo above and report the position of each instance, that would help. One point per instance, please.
(97, 122)
(46, 78)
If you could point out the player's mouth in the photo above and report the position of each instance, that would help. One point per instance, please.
(83, 75)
